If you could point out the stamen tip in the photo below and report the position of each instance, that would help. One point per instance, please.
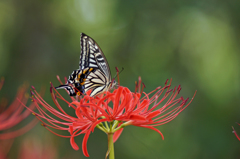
(179, 87)
(179, 90)
(166, 87)
(33, 87)
(117, 69)
(51, 84)
(186, 100)
(139, 79)
(166, 82)
(32, 93)
(143, 85)
(43, 125)
(169, 91)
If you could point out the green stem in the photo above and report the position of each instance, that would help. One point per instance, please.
(101, 127)
(115, 124)
(122, 126)
(106, 124)
(111, 146)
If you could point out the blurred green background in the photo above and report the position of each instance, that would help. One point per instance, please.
(196, 43)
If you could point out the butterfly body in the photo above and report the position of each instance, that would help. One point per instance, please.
(93, 73)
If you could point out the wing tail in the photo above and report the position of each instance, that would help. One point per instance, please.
(68, 88)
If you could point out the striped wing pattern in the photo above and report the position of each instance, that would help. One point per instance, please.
(92, 56)
(93, 73)
(96, 81)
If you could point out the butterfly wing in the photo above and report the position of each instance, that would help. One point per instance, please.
(68, 88)
(92, 56)
(71, 83)
(96, 81)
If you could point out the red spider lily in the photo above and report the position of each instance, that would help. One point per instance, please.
(14, 114)
(111, 112)
(236, 133)
(33, 147)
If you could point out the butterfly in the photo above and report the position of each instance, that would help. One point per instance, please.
(93, 73)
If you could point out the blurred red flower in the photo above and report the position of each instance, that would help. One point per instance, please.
(111, 112)
(14, 114)
(33, 148)
(11, 116)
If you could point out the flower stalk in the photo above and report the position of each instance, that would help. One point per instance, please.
(111, 146)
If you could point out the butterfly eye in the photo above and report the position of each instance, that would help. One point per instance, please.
(77, 85)
(114, 83)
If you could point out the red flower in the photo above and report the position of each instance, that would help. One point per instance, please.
(14, 114)
(111, 112)
(33, 148)
(10, 117)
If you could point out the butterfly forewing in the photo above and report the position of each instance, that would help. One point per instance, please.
(92, 56)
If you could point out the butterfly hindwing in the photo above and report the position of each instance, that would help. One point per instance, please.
(68, 88)
(96, 81)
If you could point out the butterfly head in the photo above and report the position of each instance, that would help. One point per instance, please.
(112, 84)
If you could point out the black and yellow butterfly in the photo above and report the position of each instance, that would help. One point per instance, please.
(93, 73)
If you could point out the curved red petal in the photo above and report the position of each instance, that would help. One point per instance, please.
(70, 130)
(84, 143)
(117, 134)
(154, 114)
(137, 117)
(73, 143)
(150, 127)
(117, 99)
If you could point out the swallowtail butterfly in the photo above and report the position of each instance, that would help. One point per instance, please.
(93, 73)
